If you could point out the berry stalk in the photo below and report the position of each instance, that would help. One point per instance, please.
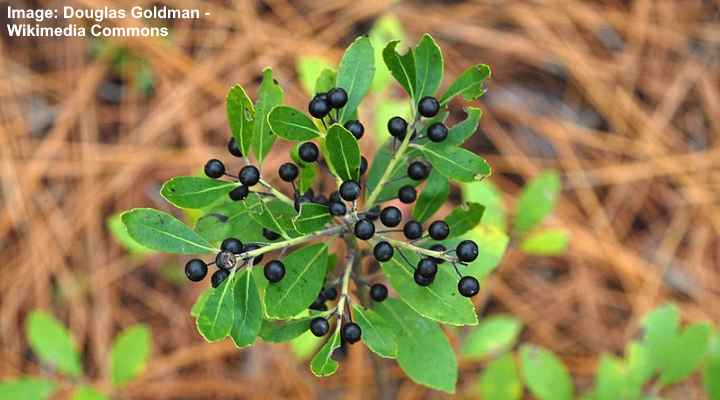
(331, 231)
(420, 250)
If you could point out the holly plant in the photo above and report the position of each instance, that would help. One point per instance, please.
(291, 254)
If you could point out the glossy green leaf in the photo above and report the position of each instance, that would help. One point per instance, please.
(385, 29)
(217, 317)
(241, 116)
(292, 124)
(487, 194)
(397, 179)
(548, 242)
(423, 351)
(323, 364)
(500, 380)
(536, 201)
(161, 231)
(129, 354)
(660, 332)
(195, 191)
(545, 375)
(439, 301)
(119, 233)
(312, 217)
(273, 214)
(355, 74)
(463, 130)
(27, 388)
(343, 152)
(470, 84)
(687, 352)
(711, 370)
(492, 336)
(432, 197)
(492, 243)
(464, 218)
(270, 94)
(231, 219)
(87, 393)
(283, 331)
(304, 277)
(52, 343)
(456, 163)
(325, 81)
(309, 69)
(402, 67)
(248, 310)
(377, 334)
(428, 67)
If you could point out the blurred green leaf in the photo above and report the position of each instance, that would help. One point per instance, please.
(343, 152)
(377, 333)
(688, 351)
(161, 231)
(309, 70)
(660, 331)
(432, 197)
(195, 191)
(428, 67)
(200, 302)
(384, 110)
(325, 81)
(292, 124)
(26, 388)
(492, 243)
(500, 380)
(545, 375)
(536, 201)
(492, 336)
(52, 343)
(385, 29)
(323, 364)
(270, 94)
(355, 75)
(547, 242)
(241, 117)
(87, 393)
(610, 379)
(304, 277)
(711, 370)
(121, 236)
(129, 354)
(304, 345)
(464, 218)
(470, 84)
(486, 193)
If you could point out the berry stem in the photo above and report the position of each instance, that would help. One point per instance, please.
(331, 231)
(349, 262)
(280, 195)
(420, 250)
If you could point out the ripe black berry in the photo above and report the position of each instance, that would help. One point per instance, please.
(350, 190)
(428, 107)
(320, 199)
(363, 165)
(319, 107)
(318, 306)
(439, 230)
(373, 214)
(356, 128)
(397, 127)
(253, 246)
(308, 152)
(337, 98)
(417, 170)
(232, 245)
(288, 172)
(233, 148)
(330, 293)
(249, 175)
(364, 229)
(218, 277)
(407, 194)
(437, 132)
(423, 280)
(378, 292)
(225, 260)
(214, 168)
(440, 248)
(391, 216)
(467, 251)
(427, 267)
(239, 193)
(270, 235)
(412, 230)
(468, 286)
(196, 269)
(319, 326)
(274, 271)
(351, 332)
(335, 197)
(383, 251)
(337, 208)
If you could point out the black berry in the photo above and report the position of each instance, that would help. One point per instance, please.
(373, 214)
(417, 170)
(330, 293)
(337, 98)
(428, 107)
(364, 229)
(363, 165)
(319, 107)
(350, 190)
(225, 260)
(467, 251)
(468, 286)
(196, 269)
(270, 235)
(318, 306)
(407, 194)
(391, 216)
(422, 280)
(308, 152)
(274, 271)
(319, 326)
(253, 246)
(219, 277)
(378, 292)
(288, 172)
(356, 128)
(233, 148)
(351, 332)
(337, 208)
(437, 132)
(439, 230)
(412, 230)
(232, 245)
(383, 251)
(427, 267)
(249, 175)
(320, 199)
(439, 248)
(239, 193)
(397, 127)
(214, 168)
(335, 196)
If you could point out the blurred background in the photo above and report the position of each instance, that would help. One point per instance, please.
(622, 98)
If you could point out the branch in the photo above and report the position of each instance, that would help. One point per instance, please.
(280, 195)
(420, 250)
(331, 231)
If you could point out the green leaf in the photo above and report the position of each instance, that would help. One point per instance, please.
(323, 364)
(52, 343)
(487, 194)
(548, 242)
(687, 352)
(398, 177)
(273, 214)
(385, 29)
(283, 331)
(241, 116)
(309, 69)
(660, 332)
(325, 81)
(200, 302)
(306, 179)
(85, 392)
(355, 75)
(292, 124)
(270, 94)
(610, 380)
(343, 152)
(432, 197)
(119, 233)
(440, 301)
(195, 191)
(470, 84)
(217, 317)
(248, 310)
(464, 218)
(545, 375)
(492, 243)
(377, 334)
(304, 276)
(303, 346)
(27, 388)
(423, 351)
(385, 109)
(500, 380)
(638, 368)
(231, 219)
(312, 217)
(428, 67)
(536, 201)
(129, 354)
(492, 336)
(711, 371)
(402, 67)
(162, 232)
(456, 163)
(460, 132)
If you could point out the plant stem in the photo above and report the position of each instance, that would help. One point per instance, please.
(349, 261)
(280, 195)
(420, 250)
(333, 230)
